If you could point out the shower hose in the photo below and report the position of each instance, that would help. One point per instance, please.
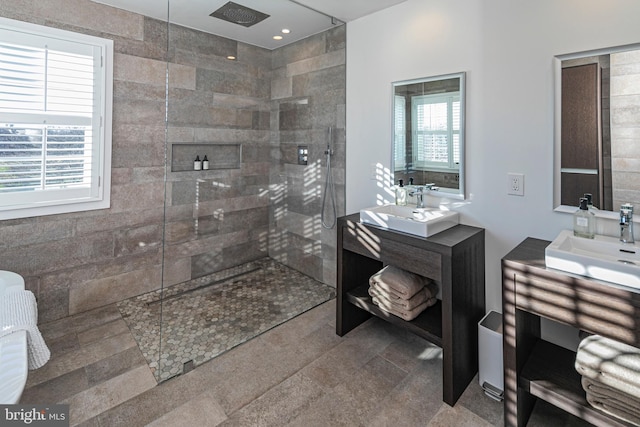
(329, 187)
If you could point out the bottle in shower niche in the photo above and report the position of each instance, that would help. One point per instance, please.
(401, 194)
(205, 163)
(584, 221)
(197, 164)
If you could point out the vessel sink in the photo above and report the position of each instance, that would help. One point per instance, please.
(604, 258)
(422, 222)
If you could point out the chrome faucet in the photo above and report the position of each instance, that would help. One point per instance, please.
(420, 191)
(626, 223)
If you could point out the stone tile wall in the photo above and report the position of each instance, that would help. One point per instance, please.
(214, 219)
(308, 96)
(78, 261)
(625, 127)
(217, 218)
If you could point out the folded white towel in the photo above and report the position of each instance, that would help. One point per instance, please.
(606, 399)
(407, 315)
(611, 396)
(428, 292)
(610, 362)
(19, 311)
(402, 283)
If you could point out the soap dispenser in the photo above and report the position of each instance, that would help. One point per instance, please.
(584, 221)
(589, 198)
(409, 188)
(401, 194)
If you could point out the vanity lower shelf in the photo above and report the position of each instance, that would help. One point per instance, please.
(427, 325)
(549, 374)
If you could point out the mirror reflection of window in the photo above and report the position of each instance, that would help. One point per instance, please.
(400, 129)
(428, 132)
(436, 139)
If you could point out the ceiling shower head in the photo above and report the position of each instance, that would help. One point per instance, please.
(239, 14)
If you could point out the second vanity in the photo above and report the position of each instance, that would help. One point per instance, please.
(537, 369)
(453, 258)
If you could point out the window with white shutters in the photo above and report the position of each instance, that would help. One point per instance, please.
(55, 119)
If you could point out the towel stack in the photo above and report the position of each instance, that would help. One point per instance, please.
(402, 293)
(611, 376)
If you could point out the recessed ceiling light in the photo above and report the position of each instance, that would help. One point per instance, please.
(286, 31)
(231, 57)
(277, 37)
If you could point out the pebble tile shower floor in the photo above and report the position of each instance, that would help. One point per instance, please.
(205, 317)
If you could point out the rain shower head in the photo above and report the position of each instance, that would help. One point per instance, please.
(239, 14)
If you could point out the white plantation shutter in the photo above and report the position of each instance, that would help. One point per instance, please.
(55, 105)
(436, 139)
(400, 136)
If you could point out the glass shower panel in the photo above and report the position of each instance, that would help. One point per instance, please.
(308, 113)
(220, 285)
(216, 223)
(138, 164)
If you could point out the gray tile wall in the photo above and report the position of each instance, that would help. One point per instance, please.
(625, 128)
(308, 96)
(214, 219)
(217, 218)
(75, 262)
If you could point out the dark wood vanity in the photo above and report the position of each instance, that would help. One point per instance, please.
(453, 258)
(537, 369)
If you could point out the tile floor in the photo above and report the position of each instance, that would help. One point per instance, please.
(205, 317)
(297, 374)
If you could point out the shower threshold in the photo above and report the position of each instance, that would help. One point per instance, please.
(195, 321)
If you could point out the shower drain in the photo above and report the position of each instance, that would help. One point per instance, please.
(188, 366)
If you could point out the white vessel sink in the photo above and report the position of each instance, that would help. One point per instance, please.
(604, 258)
(422, 222)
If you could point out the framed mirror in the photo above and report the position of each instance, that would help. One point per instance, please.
(428, 133)
(597, 128)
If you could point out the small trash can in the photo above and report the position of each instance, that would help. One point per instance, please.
(490, 368)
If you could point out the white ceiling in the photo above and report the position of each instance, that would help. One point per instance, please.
(302, 21)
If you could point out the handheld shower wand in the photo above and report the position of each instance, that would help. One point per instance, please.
(329, 187)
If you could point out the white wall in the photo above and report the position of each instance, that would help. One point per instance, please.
(506, 47)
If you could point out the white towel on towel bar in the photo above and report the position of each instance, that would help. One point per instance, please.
(19, 311)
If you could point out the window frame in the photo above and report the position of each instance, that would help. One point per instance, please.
(25, 204)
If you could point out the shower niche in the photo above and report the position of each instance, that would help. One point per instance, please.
(220, 156)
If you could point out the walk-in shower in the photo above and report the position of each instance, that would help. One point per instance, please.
(249, 242)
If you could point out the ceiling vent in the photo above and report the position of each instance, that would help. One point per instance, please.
(239, 14)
